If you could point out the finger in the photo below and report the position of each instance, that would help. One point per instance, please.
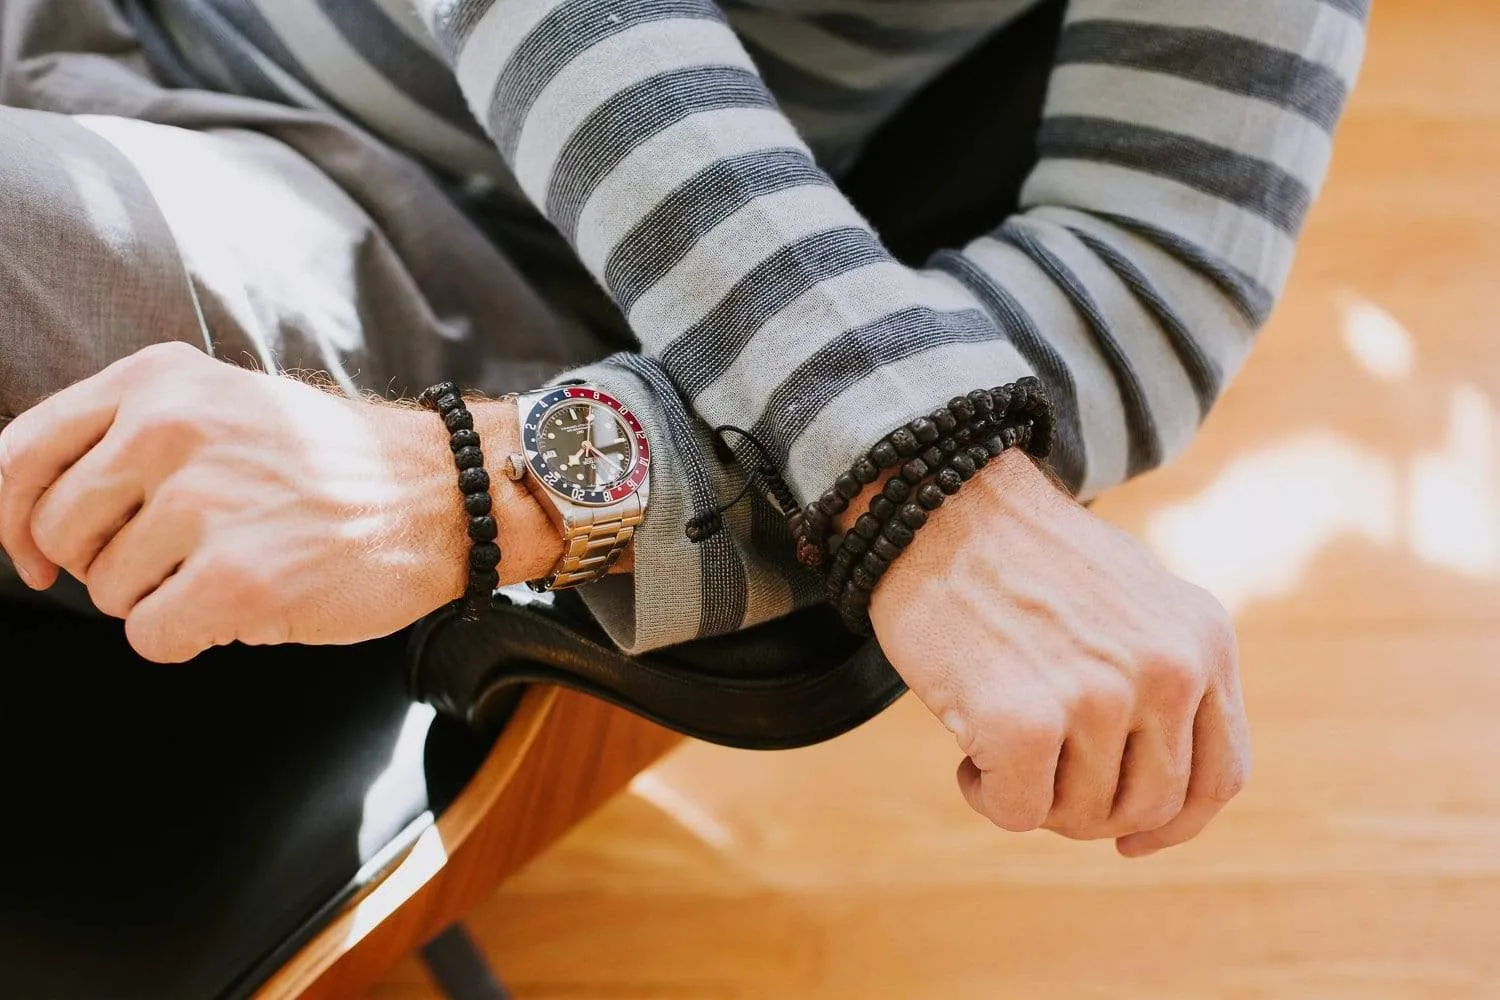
(141, 556)
(172, 624)
(1154, 775)
(35, 449)
(1088, 774)
(1015, 792)
(84, 508)
(1221, 766)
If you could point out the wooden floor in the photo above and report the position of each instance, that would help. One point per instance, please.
(1345, 502)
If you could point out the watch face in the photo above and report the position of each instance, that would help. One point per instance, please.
(586, 446)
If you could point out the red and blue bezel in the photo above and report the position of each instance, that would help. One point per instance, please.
(621, 488)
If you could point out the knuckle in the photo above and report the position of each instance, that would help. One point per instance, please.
(165, 352)
(1176, 680)
(1217, 635)
(1019, 820)
(1034, 733)
(1231, 782)
(1108, 702)
(160, 431)
(108, 596)
(232, 579)
(1161, 812)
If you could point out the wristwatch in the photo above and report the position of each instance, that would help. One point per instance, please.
(586, 457)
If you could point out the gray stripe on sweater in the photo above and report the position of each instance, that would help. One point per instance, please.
(894, 39)
(816, 91)
(1252, 298)
(850, 357)
(632, 116)
(1145, 449)
(1067, 457)
(711, 346)
(563, 35)
(391, 51)
(453, 22)
(1216, 58)
(1254, 185)
(1202, 371)
(671, 229)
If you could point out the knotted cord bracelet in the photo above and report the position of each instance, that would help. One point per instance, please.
(447, 401)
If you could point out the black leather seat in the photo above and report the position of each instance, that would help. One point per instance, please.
(179, 831)
(176, 832)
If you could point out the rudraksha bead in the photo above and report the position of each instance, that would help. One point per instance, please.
(930, 497)
(904, 441)
(896, 490)
(468, 458)
(898, 534)
(913, 516)
(882, 508)
(848, 487)
(865, 471)
(884, 455)
(924, 430)
(914, 471)
(483, 529)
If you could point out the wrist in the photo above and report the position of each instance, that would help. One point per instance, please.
(434, 526)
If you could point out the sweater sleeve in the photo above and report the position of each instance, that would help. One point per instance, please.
(1181, 147)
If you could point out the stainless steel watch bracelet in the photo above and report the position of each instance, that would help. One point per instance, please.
(592, 543)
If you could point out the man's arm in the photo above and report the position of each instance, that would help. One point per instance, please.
(1181, 147)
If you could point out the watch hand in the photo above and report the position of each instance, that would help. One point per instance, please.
(599, 454)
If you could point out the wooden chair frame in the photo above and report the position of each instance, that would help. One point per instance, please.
(562, 755)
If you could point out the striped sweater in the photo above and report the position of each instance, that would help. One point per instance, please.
(687, 150)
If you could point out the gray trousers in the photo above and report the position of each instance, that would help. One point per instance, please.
(131, 214)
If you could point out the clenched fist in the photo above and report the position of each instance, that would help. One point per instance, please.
(205, 504)
(1094, 694)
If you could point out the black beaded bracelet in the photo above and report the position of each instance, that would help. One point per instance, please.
(474, 485)
(813, 525)
(897, 532)
(1017, 415)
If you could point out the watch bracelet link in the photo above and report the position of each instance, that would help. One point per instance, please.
(591, 547)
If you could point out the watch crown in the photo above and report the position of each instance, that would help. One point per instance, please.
(515, 467)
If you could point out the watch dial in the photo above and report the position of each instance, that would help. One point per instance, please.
(585, 444)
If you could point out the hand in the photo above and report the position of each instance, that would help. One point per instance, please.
(205, 504)
(1094, 694)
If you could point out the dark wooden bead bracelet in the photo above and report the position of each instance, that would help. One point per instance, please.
(984, 424)
(447, 401)
(906, 446)
(852, 599)
(895, 514)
